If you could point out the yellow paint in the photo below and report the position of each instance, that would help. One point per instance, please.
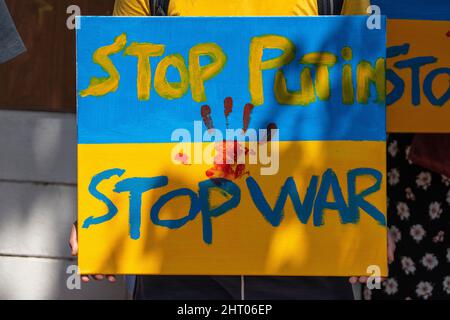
(426, 38)
(143, 52)
(348, 94)
(347, 53)
(102, 86)
(302, 97)
(199, 74)
(172, 90)
(366, 74)
(243, 242)
(323, 61)
(257, 65)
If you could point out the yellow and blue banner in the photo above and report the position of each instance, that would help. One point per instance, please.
(168, 108)
(418, 73)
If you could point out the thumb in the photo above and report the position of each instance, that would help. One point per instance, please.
(391, 248)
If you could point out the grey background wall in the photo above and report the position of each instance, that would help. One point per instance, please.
(38, 155)
(38, 206)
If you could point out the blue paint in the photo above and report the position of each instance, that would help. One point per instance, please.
(175, 223)
(398, 87)
(415, 64)
(274, 216)
(205, 187)
(396, 51)
(397, 82)
(428, 87)
(112, 209)
(330, 183)
(200, 202)
(120, 118)
(357, 201)
(414, 9)
(136, 187)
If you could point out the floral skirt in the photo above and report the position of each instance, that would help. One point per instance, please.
(419, 221)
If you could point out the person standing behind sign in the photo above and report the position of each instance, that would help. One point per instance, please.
(238, 287)
(239, 7)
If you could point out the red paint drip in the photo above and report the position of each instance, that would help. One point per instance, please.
(270, 127)
(228, 151)
(181, 157)
(247, 113)
(448, 33)
(206, 115)
(228, 108)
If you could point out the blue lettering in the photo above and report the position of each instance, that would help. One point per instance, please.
(356, 201)
(178, 223)
(274, 216)
(136, 187)
(330, 181)
(415, 64)
(428, 87)
(112, 209)
(227, 187)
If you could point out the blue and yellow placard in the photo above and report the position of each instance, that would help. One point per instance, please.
(231, 146)
(418, 65)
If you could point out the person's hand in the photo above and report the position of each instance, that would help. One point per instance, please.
(73, 243)
(390, 253)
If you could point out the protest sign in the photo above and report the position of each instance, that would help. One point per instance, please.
(226, 146)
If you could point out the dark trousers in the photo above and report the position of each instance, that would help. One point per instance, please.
(238, 288)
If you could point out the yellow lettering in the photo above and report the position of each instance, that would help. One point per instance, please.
(323, 61)
(199, 74)
(366, 74)
(102, 86)
(257, 65)
(348, 94)
(171, 90)
(143, 51)
(302, 97)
